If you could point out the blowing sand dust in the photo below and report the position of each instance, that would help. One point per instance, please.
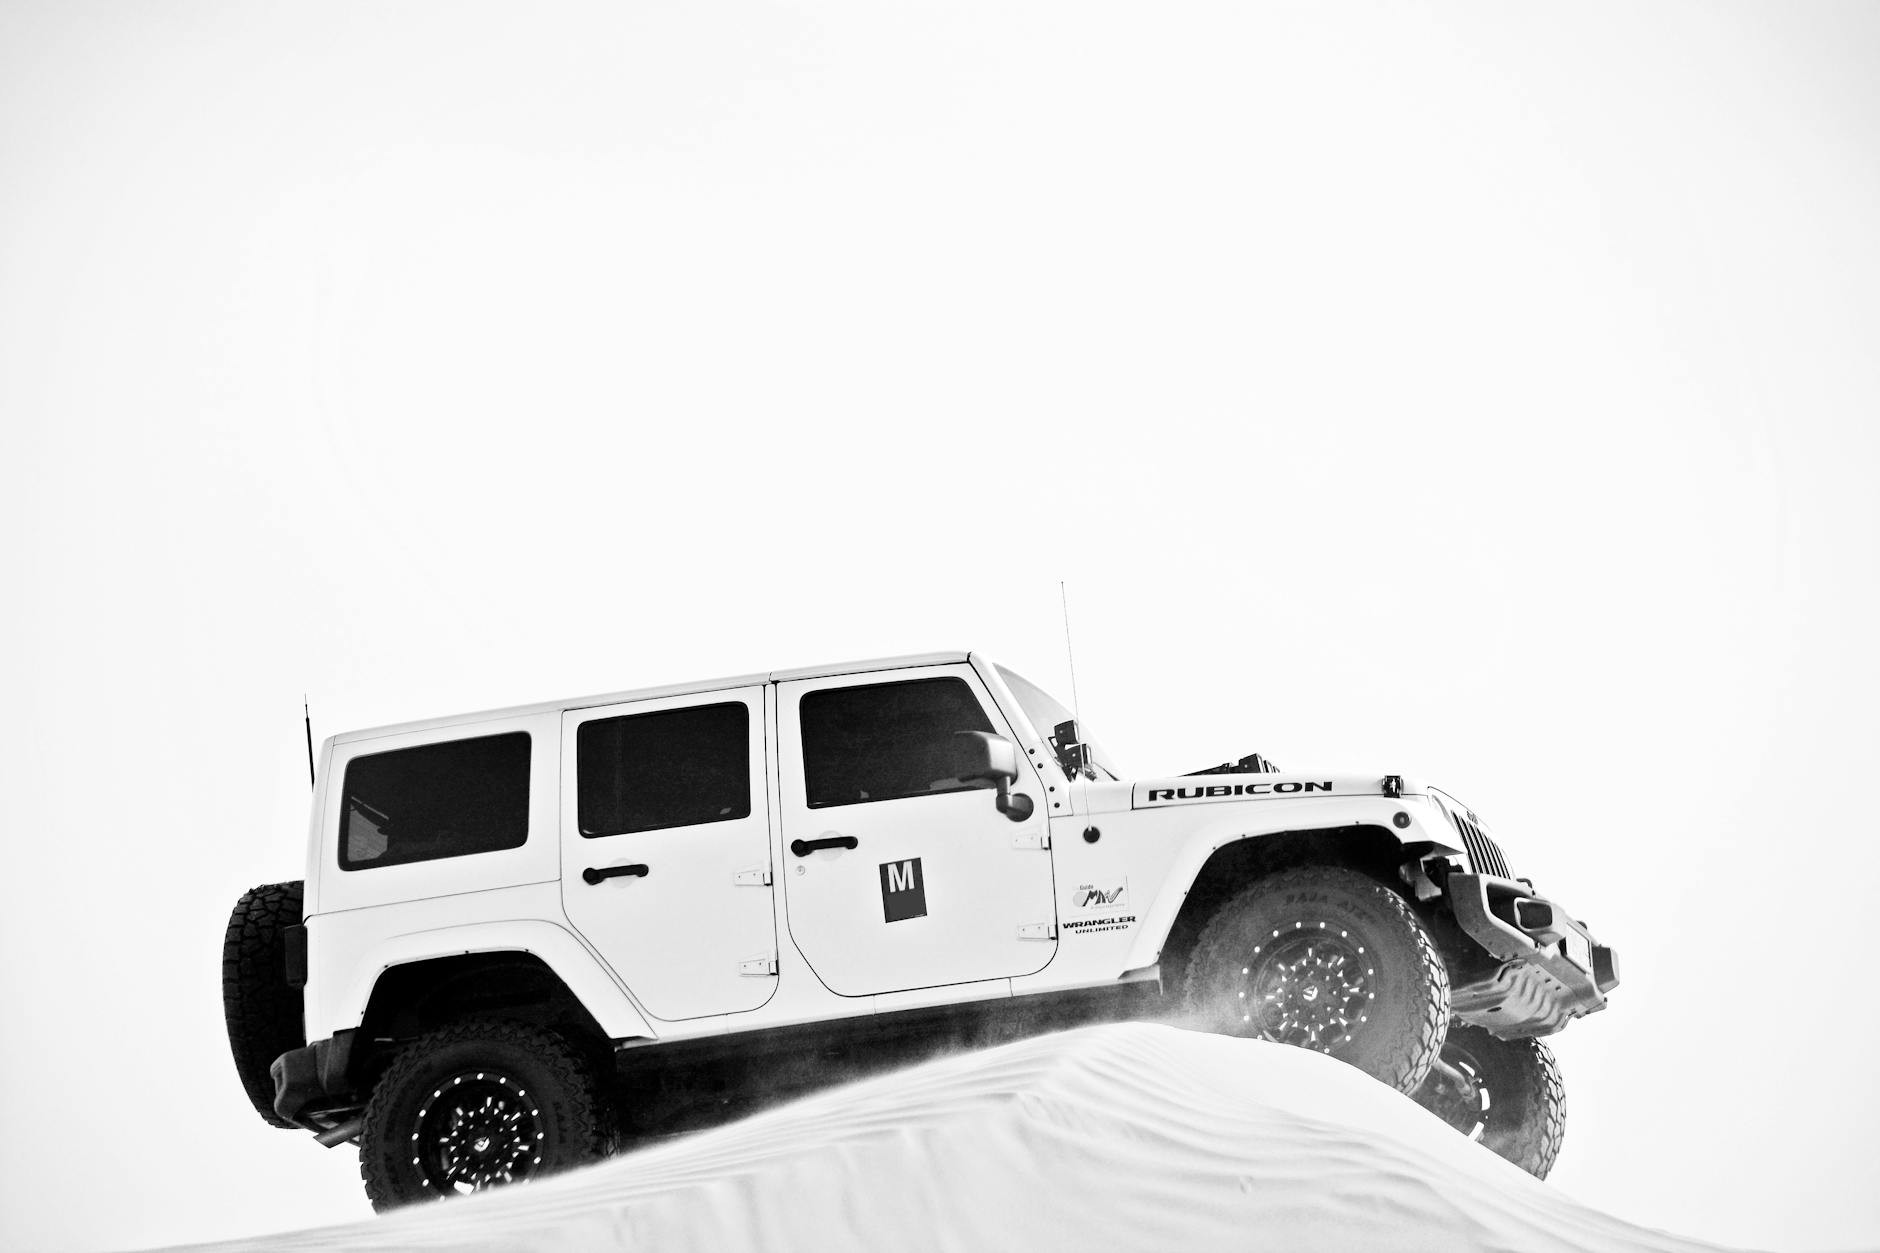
(1132, 1136)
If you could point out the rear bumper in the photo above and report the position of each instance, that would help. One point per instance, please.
(309, 1081)
(1548, 969)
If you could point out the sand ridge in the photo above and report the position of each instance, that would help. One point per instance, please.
(1118, 1137)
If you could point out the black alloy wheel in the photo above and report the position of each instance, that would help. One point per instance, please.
(1311, 987)
(476, 1130)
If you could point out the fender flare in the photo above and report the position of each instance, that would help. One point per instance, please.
(1160, 920)
(566, 957)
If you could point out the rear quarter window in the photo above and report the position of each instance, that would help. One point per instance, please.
(453, 799)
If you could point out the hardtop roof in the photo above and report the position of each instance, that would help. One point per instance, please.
(654, 693)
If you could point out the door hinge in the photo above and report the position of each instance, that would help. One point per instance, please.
(1037, 931)
(758, 966)
(755, 877)
(1037, 839)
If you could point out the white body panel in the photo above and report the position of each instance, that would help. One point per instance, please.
(649, 956)
(678, 935)
(1154, 855)
(347, 952)
(537, 861)
(982, 875)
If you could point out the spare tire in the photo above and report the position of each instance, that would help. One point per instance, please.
(263, 1011)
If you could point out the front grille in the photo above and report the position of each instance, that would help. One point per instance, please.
(1484, 854)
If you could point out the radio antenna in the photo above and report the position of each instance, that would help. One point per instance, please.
(307, 710)
(1077, 711)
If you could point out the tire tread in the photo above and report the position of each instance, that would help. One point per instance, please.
(1416, 1043)
(263, 1014)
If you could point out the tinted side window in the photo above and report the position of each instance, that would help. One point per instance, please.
(885, 740)
(436, 800)
(674, 768)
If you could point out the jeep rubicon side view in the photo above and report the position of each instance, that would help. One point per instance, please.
(531, 936)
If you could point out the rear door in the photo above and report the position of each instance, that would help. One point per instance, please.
(666, 848)
(899, 877)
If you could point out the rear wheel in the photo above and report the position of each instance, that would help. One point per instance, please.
(477, 1105)
(1505, 1094)
(1327, 959)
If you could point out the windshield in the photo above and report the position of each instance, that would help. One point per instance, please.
(1046, 712)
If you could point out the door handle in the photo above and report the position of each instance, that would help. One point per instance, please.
(593, 876)
(803, 848)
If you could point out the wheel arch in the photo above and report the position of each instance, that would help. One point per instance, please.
(417, 997)
(1369, 848)
(526, 969)
(420, 996)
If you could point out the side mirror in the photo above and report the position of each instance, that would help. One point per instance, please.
(983, 756)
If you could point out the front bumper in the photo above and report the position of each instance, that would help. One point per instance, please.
(1547, 969)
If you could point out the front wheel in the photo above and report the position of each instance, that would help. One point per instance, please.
(1504, 1094)
(1327, 959)
(478, 1105)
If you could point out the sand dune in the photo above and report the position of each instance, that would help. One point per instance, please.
(1131, 1136)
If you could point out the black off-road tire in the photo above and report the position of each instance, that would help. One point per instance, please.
(264, 1014)
(1508, 1098)
(479, 1104)
(1328, 959)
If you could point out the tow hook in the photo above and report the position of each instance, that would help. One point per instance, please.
(1537, 919)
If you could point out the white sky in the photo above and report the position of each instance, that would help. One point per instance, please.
(1479, 392)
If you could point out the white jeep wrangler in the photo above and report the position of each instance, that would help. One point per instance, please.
(530, 936)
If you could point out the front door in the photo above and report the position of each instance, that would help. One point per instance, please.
(665, 844)
(898, 876)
